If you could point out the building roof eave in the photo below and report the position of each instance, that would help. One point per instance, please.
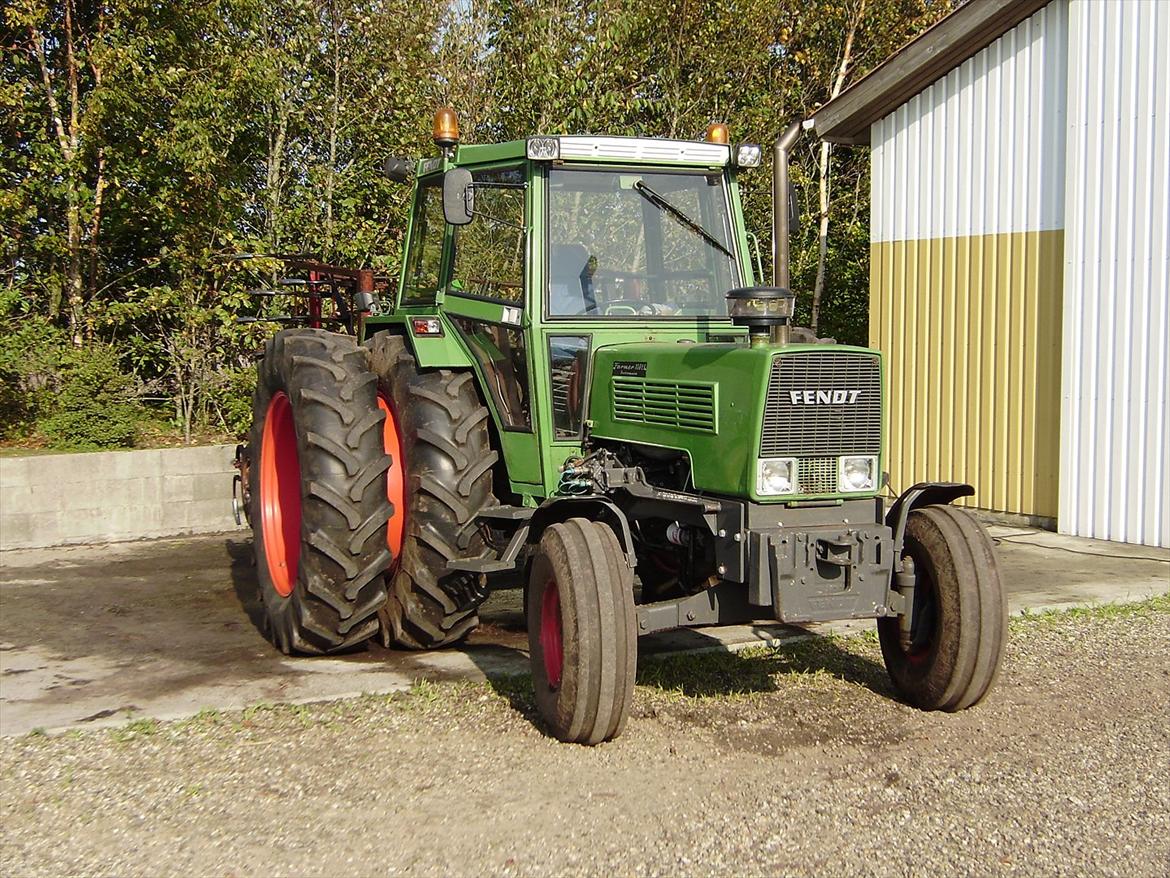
(938, 50)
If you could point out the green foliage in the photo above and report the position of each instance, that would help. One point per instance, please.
(143, 146)
(31, 352)
(232, 398)
(96, 407)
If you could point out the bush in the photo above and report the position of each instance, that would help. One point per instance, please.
(31, 351)
(231, 398)
(96, 406)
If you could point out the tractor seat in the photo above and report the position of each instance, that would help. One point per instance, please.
(570, 286)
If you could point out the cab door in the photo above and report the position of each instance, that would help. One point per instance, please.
(485, 298)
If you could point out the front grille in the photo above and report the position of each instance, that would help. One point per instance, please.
(821, 405)
(688, 405)
(816, 475)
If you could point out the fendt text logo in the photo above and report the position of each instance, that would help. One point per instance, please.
(823, 397)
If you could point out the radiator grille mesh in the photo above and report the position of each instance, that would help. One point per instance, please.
(823, 405)
(816, 475)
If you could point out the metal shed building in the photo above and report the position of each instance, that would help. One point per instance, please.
(1020, 257)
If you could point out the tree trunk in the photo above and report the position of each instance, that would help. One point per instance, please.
(95, 225)
(334, 120)
(823, 170)
(68, 141)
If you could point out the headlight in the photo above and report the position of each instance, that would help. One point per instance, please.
(544, 149)
(747, 155)
(856, 474)
(776, 475)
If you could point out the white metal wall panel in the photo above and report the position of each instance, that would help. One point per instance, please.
(1115, 444)
(981, 151)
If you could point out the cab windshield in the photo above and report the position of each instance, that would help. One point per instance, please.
(638, 244)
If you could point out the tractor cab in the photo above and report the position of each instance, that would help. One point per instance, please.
(531, 255)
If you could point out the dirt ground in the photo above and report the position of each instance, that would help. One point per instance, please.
(788, 761)
(97, 635)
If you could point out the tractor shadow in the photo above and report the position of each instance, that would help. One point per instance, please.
(710, 669)
(686, 662)
(244, 581)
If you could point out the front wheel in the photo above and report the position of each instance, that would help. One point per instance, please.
(950, 656)
(582, 638)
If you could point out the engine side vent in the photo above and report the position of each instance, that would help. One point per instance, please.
(686, 405)
(823, 405)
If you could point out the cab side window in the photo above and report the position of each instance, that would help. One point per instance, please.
(427, 231)
(489, 252)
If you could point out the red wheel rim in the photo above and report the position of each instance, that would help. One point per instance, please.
(550, 633)
(280, 495)
(395, 481)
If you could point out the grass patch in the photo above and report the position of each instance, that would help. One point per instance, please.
(139, 728)
(1159, 605)
(810, 665)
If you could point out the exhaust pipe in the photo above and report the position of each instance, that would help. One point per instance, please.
(781, 208)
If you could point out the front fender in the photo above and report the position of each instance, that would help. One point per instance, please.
(592, 507)
(922, 494)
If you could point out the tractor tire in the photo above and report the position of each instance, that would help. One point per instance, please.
(953, 653)
(440, 426)
(582, 639)
(317, 492)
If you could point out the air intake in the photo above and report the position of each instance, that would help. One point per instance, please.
(685, 405)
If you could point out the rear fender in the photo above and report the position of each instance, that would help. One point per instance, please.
(922, 494)
(431, 352)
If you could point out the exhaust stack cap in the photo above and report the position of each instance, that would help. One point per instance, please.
(765, 311)
(760, 306)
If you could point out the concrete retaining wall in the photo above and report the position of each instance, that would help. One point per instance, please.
(62, 499)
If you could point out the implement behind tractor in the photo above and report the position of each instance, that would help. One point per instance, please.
(581, 387)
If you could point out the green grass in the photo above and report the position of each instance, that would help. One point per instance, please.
(1155, 606)
(139, 728)
(757, 669)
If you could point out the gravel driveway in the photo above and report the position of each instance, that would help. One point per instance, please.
(793, 761)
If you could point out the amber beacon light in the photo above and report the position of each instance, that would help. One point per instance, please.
(446, 128)
(717, 133)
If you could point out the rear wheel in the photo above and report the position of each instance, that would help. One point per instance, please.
(317, 493)
(950, 657)
(439, 426)
(582, 639)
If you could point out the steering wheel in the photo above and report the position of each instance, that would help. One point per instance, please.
(638, 306)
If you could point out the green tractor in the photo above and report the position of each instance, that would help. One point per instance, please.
(582, 388)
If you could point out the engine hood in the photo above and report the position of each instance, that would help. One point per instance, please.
(708, 401)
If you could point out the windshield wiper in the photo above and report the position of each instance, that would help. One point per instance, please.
(658, 201)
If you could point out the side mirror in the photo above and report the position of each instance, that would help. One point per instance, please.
(398, 170)
(458, 196)
(793, 207)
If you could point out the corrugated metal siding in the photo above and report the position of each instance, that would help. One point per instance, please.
(971, 327)
(968, 205)
(1115, 448)
(980, 152)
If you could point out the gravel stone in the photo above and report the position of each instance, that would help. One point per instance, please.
(792, 761)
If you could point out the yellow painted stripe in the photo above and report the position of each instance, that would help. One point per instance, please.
(971, 329)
